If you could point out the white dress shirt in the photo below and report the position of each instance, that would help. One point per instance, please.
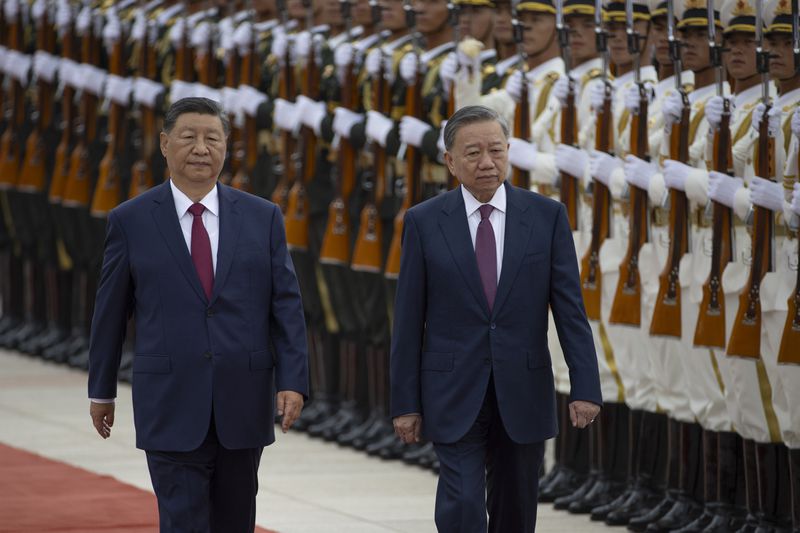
(210, 218)
(497, 218)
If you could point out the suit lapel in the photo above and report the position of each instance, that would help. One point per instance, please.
(454, 225)
(230, 223)
(166, 220)
(518, 231)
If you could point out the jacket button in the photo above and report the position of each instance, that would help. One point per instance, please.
(207, 355)
(209, 313)
(493, 326)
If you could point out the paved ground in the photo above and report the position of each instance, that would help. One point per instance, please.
(306, 486)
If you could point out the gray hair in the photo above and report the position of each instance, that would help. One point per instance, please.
(195, 104)
(470, 115)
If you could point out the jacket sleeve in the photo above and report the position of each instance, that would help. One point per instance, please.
(566, 302)
(287, 322)
(112, 308)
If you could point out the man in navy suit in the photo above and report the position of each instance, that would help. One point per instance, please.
(470, 368)
(205, 272)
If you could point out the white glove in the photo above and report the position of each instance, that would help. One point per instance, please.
(302, 46)
(146, 91)
(119, 89)
(230, 99)
(285, 116)
(408, 67)
(675, 174)
(343, 56)
(796, 199)
(522, 154)
(571, 160)
(94, 79)
(597, 95)
(448, 70)
(774, 117)
(179, 90)
(514, 86)
(373, 62)
(632, 97)
(45, 66)
(250, 99)
(722, 188)
(601, 165)
(714, 108)
(561, 89)
(243, 37)
(672, 108)
(766, 193)
(412, 130)
(201, 35)
(313, 114)
(638, 172)
(280, 42)
(344, 120)
(796, 122)
(378, 127)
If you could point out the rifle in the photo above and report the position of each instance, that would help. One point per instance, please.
(336, 242)
(591, 279)
(789, 351)
(710, 328)
(368, 249)
(569, 191)
(9, 141)
(286, 91)
(108, 191)
(77, 190)
(244, 130)
(61, 167)
(454, 11)
(31, 177)
(297, 206)
(667, 313)
(745, 338)
(142, 174)
(522, 114)
(413, 157)
(627, 305)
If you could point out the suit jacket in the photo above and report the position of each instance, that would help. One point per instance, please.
(446, 343)
(193, 354)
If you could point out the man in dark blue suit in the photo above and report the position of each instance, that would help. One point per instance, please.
(205, 272)
(470, 368)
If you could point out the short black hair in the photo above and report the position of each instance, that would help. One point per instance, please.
(470, 114)
(196, 104)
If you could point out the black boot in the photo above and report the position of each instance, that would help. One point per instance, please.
(794, 471)
(773, 488)
(633, 435)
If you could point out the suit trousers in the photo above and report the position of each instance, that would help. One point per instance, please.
(208, 490)
(486, 471)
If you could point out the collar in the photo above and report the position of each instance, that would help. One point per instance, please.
(579, 71)
(788, 99)
(704, 93)
(503, 66)
(168, 13)
(487, 55)
(390, 47)
(747, 96)
(367, 42)
(182, 202)
(433, 53)
(471, 203)
(623, 80)
(266, 25)
(551, 65)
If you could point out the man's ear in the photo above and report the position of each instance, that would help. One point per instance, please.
(448, 159)
(163, 140)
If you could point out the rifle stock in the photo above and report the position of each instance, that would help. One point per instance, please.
(61, 167)
(569, 191)
(286, 90)
(522, 130)
(9, 141)
(666, 318)
(789, 351)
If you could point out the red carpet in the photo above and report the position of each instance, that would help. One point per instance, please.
(44, 496)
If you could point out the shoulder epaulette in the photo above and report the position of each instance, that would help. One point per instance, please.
(590, 75)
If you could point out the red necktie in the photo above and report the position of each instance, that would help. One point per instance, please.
(486, 253)
(201, 250)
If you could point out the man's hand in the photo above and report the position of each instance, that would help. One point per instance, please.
(582, 413)
(408, 428)
(290, 404)
(102, 417)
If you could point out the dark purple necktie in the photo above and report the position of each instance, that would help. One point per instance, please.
(201, 250)
(486, 253)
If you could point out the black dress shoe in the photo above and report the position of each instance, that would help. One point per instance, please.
(428, 458)
(548, 478)
(684, 511)
(348, 418)
(374, 448)
(603, 492)
(378, 431)
(394, 450)
(639, 499)
(564, 483)
(418, 454)
(347, 438)
(699, 524)
(601, 511)
(319, 409)
(641, 522)
(725, 519)
(564, 502)
(79, 360)
(750, 524)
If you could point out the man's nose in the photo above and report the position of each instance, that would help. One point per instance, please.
(200, 146)
(485, 161)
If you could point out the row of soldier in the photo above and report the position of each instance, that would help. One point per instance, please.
(668, 130)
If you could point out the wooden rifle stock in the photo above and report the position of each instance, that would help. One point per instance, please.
(32, 173)
(108, 191)
(569, 183)
(368, 250)
(286, 90)
(789, 351)
(61, 167)
(667, 313)
(142, 174)
(745, 338)
(522, 130)
(710, 328)
(9, 141)
(627, 305)
(591, 277)
(245, 146)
